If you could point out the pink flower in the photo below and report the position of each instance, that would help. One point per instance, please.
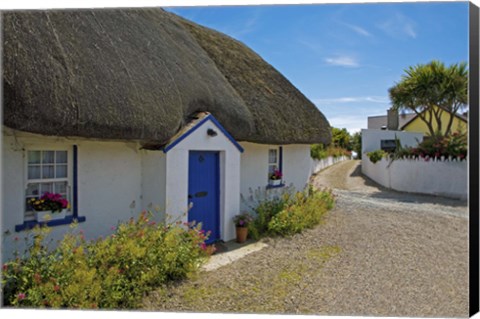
(112, 228)
(21, 296)
(56, 288)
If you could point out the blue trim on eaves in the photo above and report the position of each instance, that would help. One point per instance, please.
(193, 129)
(66, 221)
(235, 143)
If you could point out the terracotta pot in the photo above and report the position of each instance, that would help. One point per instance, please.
(242, 234)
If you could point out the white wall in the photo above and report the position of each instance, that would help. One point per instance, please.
(371, 139)
(177, 176)
(296, 165)
(154, 182)
(443, 178)
(109, 183)
(296, 169)
(318, 165)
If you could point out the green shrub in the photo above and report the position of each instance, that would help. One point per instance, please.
(376, 156)
(305, 211)
(114, 272)
(290, 212)
(265, 211)
(319, 151)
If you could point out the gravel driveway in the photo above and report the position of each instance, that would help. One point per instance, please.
(378, 253)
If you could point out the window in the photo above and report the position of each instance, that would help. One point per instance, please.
(47, 171)
(275, 163)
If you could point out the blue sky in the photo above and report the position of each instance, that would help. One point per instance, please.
(344, 57)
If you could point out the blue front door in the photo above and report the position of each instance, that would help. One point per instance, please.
(203, 191)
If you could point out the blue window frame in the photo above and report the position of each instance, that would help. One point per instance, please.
(275, 162)
(53, 171)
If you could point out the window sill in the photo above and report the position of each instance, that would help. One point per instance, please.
(275, 186)
(65, 221)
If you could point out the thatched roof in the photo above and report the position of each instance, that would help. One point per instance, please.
(139, 74)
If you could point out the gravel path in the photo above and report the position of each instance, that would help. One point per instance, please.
(378, 253)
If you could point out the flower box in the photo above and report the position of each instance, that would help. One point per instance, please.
(47, 215)
(275, 182)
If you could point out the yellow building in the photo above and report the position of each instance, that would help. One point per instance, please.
(416, 124)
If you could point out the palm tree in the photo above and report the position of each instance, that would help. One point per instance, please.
(431, 89)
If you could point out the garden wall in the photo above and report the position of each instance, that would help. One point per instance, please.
(443, 177)
(318, 165)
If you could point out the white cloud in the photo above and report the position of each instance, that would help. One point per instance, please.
(342, 60)
(351, 123)
(357, 29)
(355, 99)
(248, 26)
(399, 26)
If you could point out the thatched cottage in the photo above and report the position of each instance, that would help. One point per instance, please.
(130, 109)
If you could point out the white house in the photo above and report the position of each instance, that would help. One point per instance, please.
(121, 111)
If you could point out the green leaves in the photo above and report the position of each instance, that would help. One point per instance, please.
(425, 87)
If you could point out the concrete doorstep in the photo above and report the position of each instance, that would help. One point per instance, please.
(218, 260)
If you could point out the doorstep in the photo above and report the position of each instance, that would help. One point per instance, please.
(230, 252)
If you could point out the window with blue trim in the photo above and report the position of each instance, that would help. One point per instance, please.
(47, 170)
(275, 173)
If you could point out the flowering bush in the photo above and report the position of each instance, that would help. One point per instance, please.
(319, 151)
(242, 220)
(114, 272)
(276, 175)
(49, 201)
(454, 145)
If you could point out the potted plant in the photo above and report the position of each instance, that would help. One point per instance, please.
(241, 223)
(49, 207)
(275, 178)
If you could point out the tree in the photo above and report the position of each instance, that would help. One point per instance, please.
(341, 138)
(357, 144)
(430, 90)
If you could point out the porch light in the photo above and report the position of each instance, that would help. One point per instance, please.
(211, 132)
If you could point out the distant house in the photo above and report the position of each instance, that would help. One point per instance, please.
(411, 122)
(380, 121)
(138, 109)
(415, 124)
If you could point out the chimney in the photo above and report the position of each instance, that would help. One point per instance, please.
(392, 120)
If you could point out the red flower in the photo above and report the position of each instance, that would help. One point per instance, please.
(56, 288)
(5, 267)
(21, 296)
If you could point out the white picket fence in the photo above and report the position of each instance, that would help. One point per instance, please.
(318, 165)
(442, 177)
